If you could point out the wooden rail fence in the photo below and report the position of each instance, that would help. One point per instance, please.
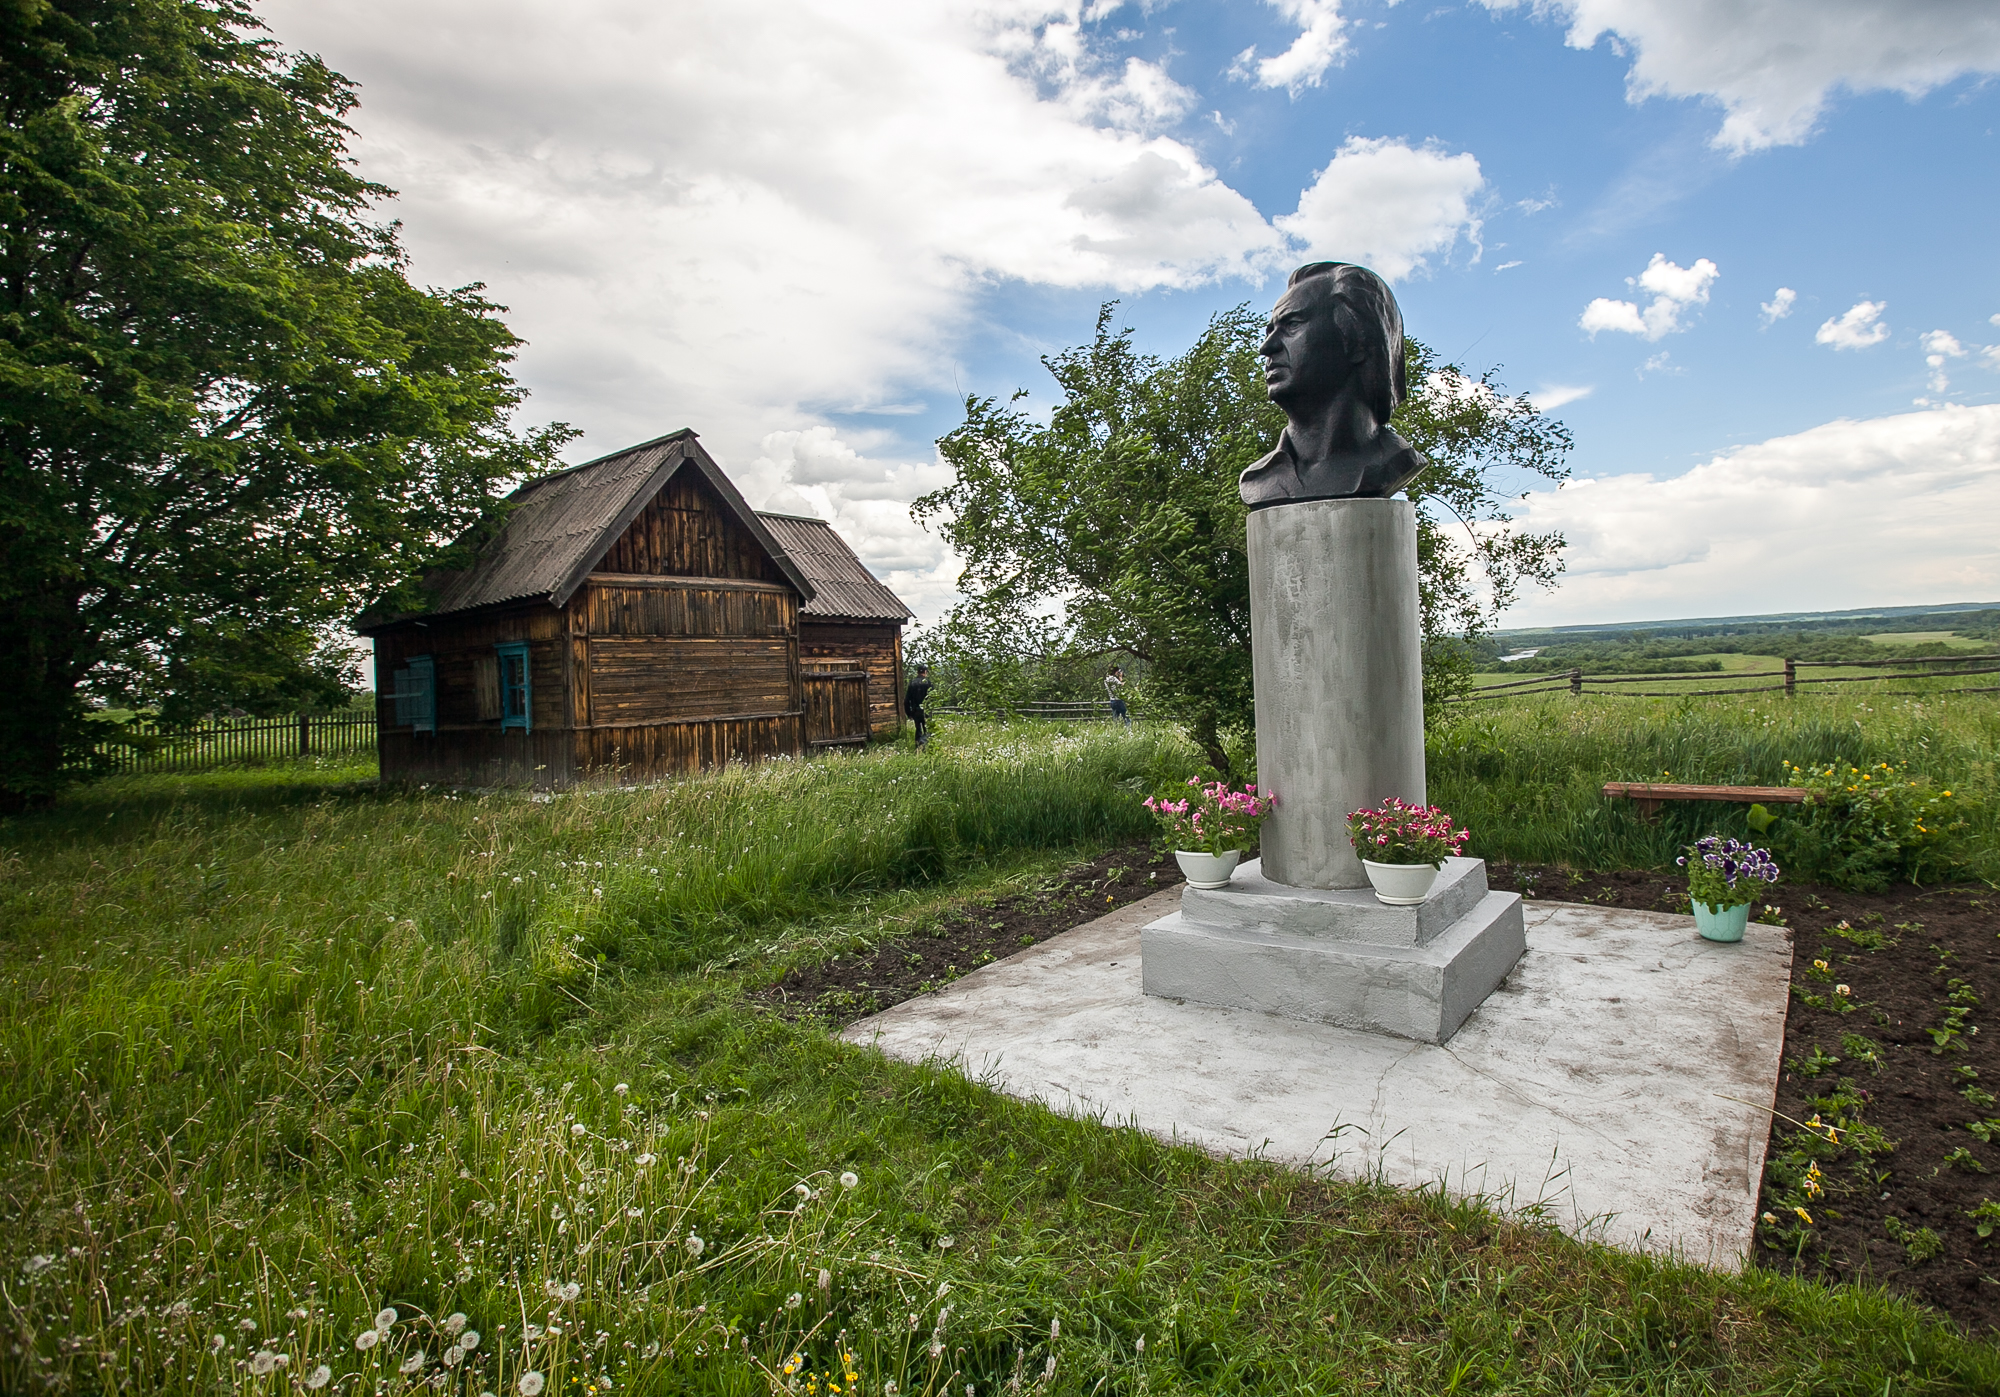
(143, 746)
(1576, 682)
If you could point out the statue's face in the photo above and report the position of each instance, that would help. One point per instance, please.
(1305, 355)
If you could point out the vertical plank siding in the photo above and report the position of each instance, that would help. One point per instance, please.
(836, 708)
(686, 531)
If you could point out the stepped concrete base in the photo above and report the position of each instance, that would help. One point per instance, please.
(1339, 956)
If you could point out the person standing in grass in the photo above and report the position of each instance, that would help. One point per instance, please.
(1114, 689)
(913, 704)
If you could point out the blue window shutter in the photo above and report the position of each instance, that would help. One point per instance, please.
(423, 693)
(516, 702)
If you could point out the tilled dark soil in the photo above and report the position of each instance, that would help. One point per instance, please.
(1896, 1217)
(851, 987)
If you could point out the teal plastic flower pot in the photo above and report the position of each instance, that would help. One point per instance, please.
(1721, 923)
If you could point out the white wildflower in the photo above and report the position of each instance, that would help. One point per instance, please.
(453, 1356)
(532, 1332)
(570, 1292)
(319, 1377)
(695, 1246)
(217, 1343)
(794, 1300)
(1055, 1328)
(850, 1179)
(385, 1319)
(635, 1212)
(414, 1363)
(301, 1312)
(621, 1088)
(367, 1339)
(643, 1160)
(1141, 1345)
(263, 1361)
(454, 1322)
(530, 1384)
(579, 1130)
(247, 1325)
(947, 1243)
(802, 1190)
(469, 1340)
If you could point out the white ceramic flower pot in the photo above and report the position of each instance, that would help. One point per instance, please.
(1400, 884)
(1207, 870)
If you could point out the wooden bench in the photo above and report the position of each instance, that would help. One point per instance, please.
(1649, 795)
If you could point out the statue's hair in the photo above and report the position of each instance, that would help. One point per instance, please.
(1368, 316)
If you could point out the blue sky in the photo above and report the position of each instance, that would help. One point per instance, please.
(805, 229)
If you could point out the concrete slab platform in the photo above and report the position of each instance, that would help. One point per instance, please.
(1620, 1079)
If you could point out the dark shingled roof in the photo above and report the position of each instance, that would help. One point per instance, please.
(843, 590)
(564, 523)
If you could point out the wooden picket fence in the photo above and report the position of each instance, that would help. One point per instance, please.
(143, 746)
(1790, 680)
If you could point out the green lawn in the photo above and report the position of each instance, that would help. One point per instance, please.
(283, 1051)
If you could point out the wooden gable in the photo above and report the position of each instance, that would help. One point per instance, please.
(686, 530)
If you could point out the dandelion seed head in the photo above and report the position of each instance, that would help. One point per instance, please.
(570, 1291)
(643, 1160)
(825, 1279)
(469, 1340)
(367, 1339)
(318, 1377)
(695, 1246)
(385, 1319)
(454, 1322)
(530, 1384)
(621, 1088)
(263, 1361)
(414, 1363)
(217, 1343)
(850, 1179)
(579, 1130)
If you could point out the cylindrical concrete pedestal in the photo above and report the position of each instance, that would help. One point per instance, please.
(1339, 670)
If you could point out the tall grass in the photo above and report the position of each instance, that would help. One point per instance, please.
(1527, 776)
(280, 1052)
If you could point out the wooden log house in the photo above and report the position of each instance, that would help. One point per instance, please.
(634, 618)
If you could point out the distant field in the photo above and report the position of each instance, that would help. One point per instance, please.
(1946, 640)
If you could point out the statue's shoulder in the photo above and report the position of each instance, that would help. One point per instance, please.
(1271, 478)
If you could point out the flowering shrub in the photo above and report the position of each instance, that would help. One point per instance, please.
(1399, 832)
(1726, 873)
(1213, 818)
(1864, 829)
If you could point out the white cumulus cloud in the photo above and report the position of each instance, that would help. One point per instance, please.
(1321, 43)
(1940, 346)
(1772, 526)
(1779, 306)
(1773, 65)
(1388, 204)
(1859, 326)
(1674, 289)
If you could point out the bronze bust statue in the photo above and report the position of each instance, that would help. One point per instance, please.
(1334, 364)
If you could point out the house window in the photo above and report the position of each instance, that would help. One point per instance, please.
(416, 694)
(514, 697)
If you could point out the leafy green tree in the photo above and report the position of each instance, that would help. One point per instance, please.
(227, 418)
(1117, 527)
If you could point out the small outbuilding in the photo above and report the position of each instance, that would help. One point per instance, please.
(634, 618)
